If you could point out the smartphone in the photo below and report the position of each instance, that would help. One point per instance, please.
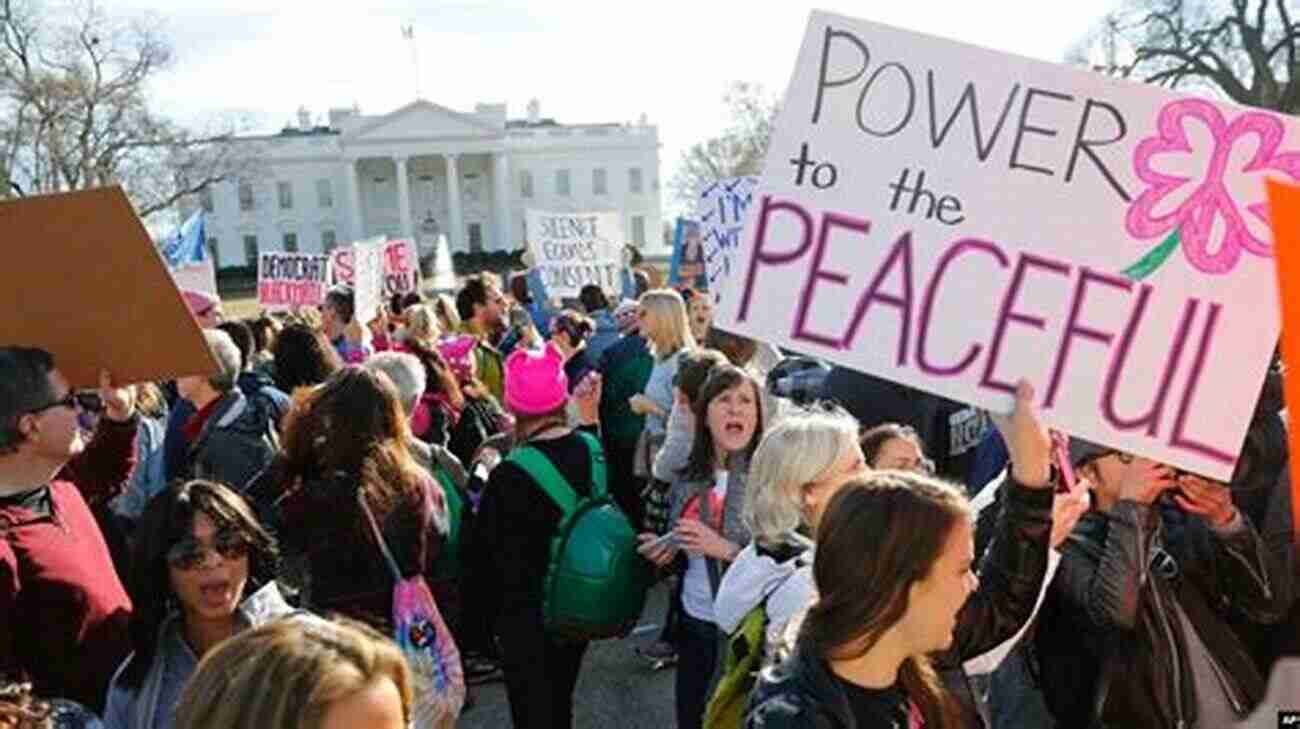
(669, 539)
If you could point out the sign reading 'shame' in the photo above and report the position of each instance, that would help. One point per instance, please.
(955, 219)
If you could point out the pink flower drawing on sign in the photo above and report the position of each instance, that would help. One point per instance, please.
(1191, 168)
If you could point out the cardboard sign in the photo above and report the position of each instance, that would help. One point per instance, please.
(576, 249)
(956, 219)
(83, 280)
(1284, 206)
(400, 265)
(721, 212)
(288, 280)
(688, 264)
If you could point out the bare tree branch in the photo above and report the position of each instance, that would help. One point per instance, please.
(74, 109)
(1245, 50)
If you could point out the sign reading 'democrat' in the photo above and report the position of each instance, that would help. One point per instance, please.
(955, 219)
(287, 280)
(401, 266)
(576, 249)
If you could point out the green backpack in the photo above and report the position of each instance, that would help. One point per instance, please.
(596, 582)
(741, 662)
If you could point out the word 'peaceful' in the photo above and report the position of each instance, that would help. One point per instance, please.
(896, 286)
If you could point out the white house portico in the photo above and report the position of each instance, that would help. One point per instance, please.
(425, 170)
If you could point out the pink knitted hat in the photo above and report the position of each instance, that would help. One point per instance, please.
(458, 351)
(535, 381)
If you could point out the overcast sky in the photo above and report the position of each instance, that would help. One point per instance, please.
(585, 60)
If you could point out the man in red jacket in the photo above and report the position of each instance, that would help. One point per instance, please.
(63, 611)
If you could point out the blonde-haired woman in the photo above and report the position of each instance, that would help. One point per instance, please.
(786, 495)
(422, 326)
(665, 325)
(300, 673)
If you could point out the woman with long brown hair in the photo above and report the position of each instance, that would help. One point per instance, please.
(893, 571)
(894, 566)
(347, 440)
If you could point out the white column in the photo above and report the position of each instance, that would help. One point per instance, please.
(456, 224)
(404, 200)
(354, 200)
(501, 201)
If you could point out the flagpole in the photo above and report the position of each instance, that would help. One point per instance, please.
(408, 31)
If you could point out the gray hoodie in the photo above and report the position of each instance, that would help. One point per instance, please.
(152, 705)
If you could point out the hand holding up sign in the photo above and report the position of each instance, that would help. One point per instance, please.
(1027, 439)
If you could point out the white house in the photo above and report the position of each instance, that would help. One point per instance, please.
(423, 170)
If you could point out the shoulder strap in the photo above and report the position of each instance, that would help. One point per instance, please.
(551, 481)
(599, 485)
(547, 476)
(379, 536)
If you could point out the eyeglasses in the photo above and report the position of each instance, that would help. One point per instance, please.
(88, 401)
(189, 553)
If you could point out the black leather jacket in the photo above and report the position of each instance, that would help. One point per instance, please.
(1011, 574)
(1125, 570)
(802, 693)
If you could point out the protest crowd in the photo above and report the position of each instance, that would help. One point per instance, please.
(496, 480)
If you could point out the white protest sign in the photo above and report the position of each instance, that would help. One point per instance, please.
(721, 212)
(576, 249)
(287, 280)
(955, 219)
(368, 278)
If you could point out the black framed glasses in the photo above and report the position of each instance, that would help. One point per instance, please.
(189, 553)
(88, 401)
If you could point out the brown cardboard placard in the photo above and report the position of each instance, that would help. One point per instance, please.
(82, 279)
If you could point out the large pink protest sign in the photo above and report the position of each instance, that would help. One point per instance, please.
(955, 219)
(291, 280)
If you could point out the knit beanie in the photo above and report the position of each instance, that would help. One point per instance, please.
(535, 381)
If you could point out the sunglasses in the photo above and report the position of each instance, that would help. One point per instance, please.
(88, 401)
(189, 553)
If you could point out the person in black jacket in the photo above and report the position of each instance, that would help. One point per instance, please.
(513, 530)
(1147, 582)
(893, 575)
